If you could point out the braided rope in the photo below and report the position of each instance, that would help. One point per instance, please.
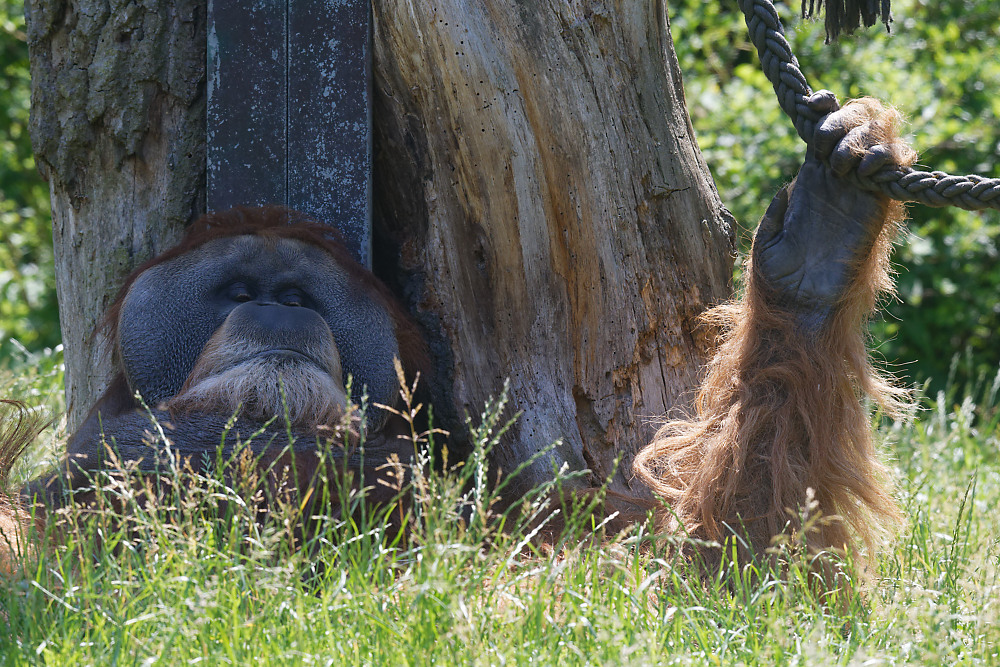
(931, 188)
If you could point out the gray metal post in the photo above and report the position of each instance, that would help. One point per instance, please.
(289, 110)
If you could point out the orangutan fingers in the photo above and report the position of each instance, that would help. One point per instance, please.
(831, 130)
(823, 102)
(837, 125)
(877, 157)
(851, 149)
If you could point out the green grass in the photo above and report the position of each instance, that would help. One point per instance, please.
(188, 583)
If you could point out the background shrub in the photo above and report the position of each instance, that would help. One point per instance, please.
(28, 310)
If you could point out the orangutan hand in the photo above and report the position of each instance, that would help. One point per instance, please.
(819, 229)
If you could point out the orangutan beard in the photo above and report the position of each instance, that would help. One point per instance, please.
(261, 385)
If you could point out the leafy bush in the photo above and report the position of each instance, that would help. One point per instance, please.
(939, 68)
(28, 310)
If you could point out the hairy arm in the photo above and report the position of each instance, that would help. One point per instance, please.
(778, 418)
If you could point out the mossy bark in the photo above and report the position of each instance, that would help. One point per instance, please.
(118, 128)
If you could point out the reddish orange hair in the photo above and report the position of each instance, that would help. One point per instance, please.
(780, 412)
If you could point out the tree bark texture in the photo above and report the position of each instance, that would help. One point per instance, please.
(118, 128)
(555, 222)
(540, 202)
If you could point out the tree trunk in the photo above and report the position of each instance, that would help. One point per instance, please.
(118, 128)
(540, 201)
(538, 173)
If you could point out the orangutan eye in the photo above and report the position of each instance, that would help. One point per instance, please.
(240, 293)
(292, 298)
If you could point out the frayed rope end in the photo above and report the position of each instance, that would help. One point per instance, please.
(848, 15)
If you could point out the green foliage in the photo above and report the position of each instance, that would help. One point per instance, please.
(939, 68)
(28, 309)
(203, 577)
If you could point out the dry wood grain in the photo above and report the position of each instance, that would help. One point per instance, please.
(536, 167)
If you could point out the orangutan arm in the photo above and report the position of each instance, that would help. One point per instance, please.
(779, 417)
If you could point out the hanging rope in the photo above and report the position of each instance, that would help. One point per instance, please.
(931, 188)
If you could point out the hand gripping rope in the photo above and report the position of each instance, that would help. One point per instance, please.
(931, 188)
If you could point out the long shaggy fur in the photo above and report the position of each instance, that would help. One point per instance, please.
(848, 15)
(18, 428)
(781, 411)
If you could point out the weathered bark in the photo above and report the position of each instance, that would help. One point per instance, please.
(537, 170)
(118, 128)
(540, 199)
